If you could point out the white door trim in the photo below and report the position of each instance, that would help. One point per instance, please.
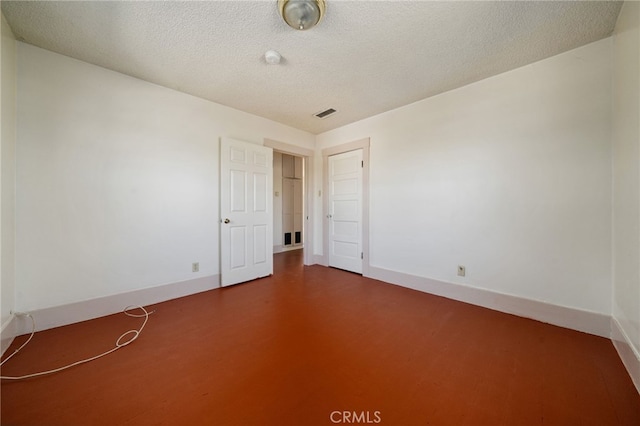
(326, 153)
(288, 148)
(307, 157)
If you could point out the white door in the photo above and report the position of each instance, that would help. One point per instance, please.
(246, 211)
(345, 211)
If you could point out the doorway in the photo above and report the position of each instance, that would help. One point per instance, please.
(304, 181)
(288, 202)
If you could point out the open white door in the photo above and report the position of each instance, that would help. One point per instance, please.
(246, 211)
(345, 211)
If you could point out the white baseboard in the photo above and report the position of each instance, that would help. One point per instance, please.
(576, 319)
(628, 354)
(7, 333)
(89, 309)
(318, 259)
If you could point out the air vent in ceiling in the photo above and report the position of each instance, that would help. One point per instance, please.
(325, 113)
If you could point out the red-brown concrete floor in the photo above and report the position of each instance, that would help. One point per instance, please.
(311, 345)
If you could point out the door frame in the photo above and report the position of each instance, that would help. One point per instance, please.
(326, 153)
(307, 158)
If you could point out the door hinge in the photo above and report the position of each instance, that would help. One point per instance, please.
(362, 164)
(361, 255)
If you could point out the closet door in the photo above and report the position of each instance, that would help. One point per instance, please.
(345, 211)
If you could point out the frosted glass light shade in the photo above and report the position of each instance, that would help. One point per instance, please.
(301, 14)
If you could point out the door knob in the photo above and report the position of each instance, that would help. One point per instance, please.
(227, 220)
(329, 216)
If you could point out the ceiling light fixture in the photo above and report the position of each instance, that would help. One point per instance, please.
(301, 14)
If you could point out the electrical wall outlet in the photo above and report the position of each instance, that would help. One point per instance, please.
(461, 271)
(195, 267)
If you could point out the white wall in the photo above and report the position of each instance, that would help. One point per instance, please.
(626, 178)
(509, 176)
(7, 176)
(117, 183)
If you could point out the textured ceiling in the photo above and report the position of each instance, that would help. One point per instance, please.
(364, 58)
